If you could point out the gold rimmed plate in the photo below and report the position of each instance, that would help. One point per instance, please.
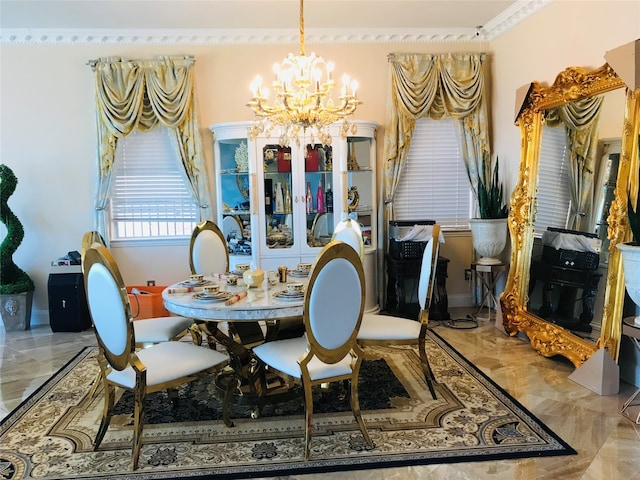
(287, 295)
(191, 283)
(213, 297)
(299, 273)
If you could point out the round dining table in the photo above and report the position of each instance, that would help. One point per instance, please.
(240, 318)
(260, 303)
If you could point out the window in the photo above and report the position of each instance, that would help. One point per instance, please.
(434, 183)
(150, 197)
(554, 198)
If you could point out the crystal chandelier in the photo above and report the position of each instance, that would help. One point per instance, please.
(302, 99)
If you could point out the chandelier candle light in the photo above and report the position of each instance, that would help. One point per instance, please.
(302, 98)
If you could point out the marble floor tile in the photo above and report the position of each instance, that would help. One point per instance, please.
(607, 442)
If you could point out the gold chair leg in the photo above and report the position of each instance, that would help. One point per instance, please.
(109, 401)
(426, 368)
(94, 386)
(231, 384)
(355, 408)
(308, 415)
(138, 425)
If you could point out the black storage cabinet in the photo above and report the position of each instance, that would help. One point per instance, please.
(68, 310)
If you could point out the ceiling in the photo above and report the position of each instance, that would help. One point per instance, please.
(235, 21)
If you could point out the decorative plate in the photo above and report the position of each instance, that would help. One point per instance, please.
(213, 297)
(286, 295)
(299, 273)
(191, 283)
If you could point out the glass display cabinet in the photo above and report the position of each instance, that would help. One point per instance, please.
(280, 205)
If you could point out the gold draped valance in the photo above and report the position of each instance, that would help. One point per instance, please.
(140, 94)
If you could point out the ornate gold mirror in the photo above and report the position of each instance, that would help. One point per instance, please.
(548, 338)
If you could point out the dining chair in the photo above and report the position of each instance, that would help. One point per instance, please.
(161, 366)
(349, 232)
(379, 329)
(327, 352)
(208, 251)
(149, 330)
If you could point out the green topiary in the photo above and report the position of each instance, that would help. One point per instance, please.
(13, 280)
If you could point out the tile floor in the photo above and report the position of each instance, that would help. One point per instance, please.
(608, 443)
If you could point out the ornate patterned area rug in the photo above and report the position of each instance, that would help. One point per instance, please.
(50, 435)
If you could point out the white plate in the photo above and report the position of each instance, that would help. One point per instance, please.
(299, 273)
(213, 297)
(285, 295)
(191, 283)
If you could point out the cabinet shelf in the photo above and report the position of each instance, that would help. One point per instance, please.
(236, 212)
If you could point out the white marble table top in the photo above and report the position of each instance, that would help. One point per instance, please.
(259, 304)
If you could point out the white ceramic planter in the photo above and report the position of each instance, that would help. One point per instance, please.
(489, 238)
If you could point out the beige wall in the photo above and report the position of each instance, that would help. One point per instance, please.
(562, 34)
(47, 132)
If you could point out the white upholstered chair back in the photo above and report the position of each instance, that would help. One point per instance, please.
(334, 302)
(108, 306)
(349, 232)
(427, 273)
(208, 251)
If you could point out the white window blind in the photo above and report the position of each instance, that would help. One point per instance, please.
(553, 181)
(149, 196)
(434, 183)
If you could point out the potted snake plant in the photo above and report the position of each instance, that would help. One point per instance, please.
(16, 287)
(489, 232)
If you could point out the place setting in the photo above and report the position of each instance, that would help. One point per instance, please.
(240, 269)
(212, 293)
(301, 271)
(195, 280)
(293, 292)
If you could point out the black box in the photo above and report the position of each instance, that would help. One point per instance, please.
(570, 258)
(68, 309)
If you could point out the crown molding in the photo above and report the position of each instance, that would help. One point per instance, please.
(229, 37)
(47, 36)
(513, 15)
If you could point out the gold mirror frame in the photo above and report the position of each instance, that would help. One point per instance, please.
(545, 337)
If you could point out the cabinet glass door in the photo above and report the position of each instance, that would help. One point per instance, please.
(235, 196)
(278, 195)
(318, 188)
